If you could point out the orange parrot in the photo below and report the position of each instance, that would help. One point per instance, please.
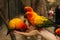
(16, 24)
(35, 19)
(57, 31)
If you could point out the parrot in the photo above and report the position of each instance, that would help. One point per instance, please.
(35, 19)
(57, 31)
(16, 24)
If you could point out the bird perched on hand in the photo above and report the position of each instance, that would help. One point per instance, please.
(16, 24)
(35, 19)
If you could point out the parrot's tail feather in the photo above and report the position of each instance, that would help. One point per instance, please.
(54, 24)
(10, 30)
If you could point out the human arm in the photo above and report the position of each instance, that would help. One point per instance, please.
(44, 33)
(31, 33)
(47, 35)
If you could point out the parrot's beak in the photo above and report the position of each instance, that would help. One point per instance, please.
(25, 16)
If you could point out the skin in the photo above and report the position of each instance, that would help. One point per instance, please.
(58, 38)
(59, 7)
(47, 35)
(44, 33)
